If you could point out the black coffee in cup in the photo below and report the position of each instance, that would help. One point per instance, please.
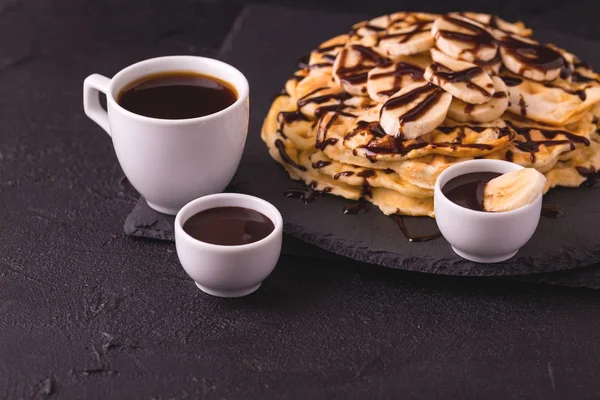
(177, 95)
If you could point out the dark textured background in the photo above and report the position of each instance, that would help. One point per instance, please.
(88, 313)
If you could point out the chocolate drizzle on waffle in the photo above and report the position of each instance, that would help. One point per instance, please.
(591, 174)
(401, 69)
(407, 34)
(386, 144)
(285, 156)
(533, 146)
(358, 74)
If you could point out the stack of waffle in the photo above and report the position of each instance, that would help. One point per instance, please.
(378, 113)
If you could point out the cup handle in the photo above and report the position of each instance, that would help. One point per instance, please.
(91, 104)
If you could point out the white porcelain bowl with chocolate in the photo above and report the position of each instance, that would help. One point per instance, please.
(228, 271)
(484, 237)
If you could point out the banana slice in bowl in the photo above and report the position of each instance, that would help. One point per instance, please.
(513, 190)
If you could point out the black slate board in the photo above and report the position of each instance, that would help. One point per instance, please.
(371, 237)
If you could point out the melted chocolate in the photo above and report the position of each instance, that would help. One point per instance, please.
(433, 93)
(343, 173)
(291, 116)
(552, 212)
(511, 81)
(477, 37)
(306, 195)
(533, 146)
(592, 176)
(358, 74)
(285, 157)
(402, 69)
(366, 173)
(577, 77)
(229, 226)
(358, 207)
(399, 220)
(327, 49)
(419, 27)
(467, 190)
(523, 106)
(288, 117)
(321, 164)
(465, 75)
(321, 144)
(341, 96)
(372, 55)
(366, 189)
(333, 107)
(533, 55)
(327, 142)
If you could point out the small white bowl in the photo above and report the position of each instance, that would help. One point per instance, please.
(228, 271)
(484, 237)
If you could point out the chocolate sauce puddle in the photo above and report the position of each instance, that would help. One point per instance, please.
(358, 207)
(399, 220)
(306, 195)
(553, 212)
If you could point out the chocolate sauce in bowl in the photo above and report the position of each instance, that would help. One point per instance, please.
(467, 190)
(229, 226)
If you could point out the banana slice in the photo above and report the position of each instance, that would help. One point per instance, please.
(385, 81)
(486, 112)
(513, 190)
(491, 67)
(463, 38)
(498, 25)
(414, 111)
(352, 66)
(530, 59)
(463, 80)
(322, 58)
(406, 40)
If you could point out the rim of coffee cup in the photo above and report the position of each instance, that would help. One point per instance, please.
(242, 89)
(481, 166)
(240, 200)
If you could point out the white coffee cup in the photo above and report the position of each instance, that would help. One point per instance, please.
(171, 162)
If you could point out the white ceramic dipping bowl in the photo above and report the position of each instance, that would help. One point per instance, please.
(485, 237)
(228, 271)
